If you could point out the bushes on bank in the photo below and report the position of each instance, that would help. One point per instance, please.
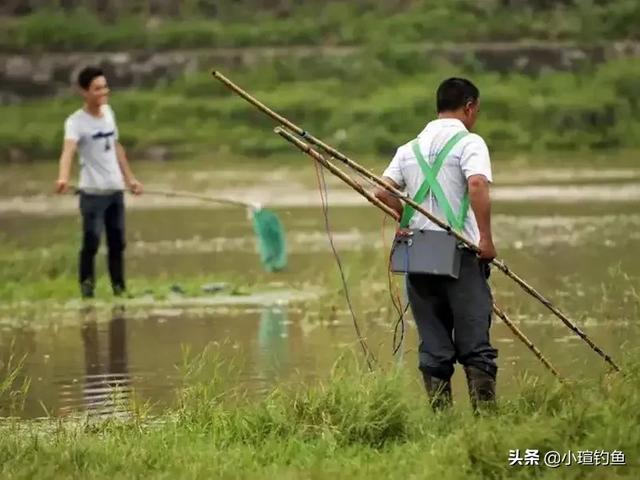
(252, 23)
(368, 103)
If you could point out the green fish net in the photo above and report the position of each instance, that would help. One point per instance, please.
(271, 239)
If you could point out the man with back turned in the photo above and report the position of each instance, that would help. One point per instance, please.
(453, 315)
(104, 172)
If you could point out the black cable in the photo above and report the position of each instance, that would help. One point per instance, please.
(324, 196)
(400, 321)
(398, 307)
(401, 312)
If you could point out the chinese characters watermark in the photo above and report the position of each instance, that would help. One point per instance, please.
(555, 459)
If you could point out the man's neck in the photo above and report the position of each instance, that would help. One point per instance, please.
(93, 110)
(451, 115)
(455, 115)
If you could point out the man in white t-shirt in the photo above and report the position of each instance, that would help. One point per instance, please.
(104, 172)
(453, 316)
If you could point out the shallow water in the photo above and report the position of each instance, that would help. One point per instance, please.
(580, 251)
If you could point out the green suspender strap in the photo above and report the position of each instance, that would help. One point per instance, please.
(431, 184)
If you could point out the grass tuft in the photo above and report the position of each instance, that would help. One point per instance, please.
(354, 424)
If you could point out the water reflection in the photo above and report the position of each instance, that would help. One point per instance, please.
(106, 388)
(273, 343)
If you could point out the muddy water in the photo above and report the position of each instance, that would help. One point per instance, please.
(581, 252)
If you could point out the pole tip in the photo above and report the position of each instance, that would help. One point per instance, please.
(215, 72)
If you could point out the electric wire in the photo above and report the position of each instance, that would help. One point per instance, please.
(395, 300)
(324, 195)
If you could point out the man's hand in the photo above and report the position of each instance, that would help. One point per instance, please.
(481, 205)
(136, 187)
(403, 232)
(64, 168)
(62, 185)
(388, 199)
(487, 249)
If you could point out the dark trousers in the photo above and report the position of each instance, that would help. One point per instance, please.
(102, 212)
(453, 317)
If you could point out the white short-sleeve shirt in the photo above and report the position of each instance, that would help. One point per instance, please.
(469, 157)
(96, 139)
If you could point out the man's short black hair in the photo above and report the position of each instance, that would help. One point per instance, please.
(455, 93)
(86, 76)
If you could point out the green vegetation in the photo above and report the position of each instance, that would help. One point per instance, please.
(353, 425)
(37, 277)
(366, 104)
(13, 389)
(51, 274)
(252, 23)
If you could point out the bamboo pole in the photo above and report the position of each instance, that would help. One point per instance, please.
(501, 265)
(197, 196)
(305, 148)
(523, 338)
(181, 194)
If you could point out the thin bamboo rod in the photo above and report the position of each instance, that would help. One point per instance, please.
(198, 196)
(182, 194)
(523, 338)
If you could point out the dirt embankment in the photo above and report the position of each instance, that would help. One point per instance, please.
(44, 74)
(286, 190)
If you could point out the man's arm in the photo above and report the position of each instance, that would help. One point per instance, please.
(134, 185)
(388, 198)
(64, 167)
(481, 204)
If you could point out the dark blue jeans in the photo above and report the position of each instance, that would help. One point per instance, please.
(102, 212)
(453, 317)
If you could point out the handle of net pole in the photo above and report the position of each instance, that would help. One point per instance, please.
(252, 208)
(73, 189)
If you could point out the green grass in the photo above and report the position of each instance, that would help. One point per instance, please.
(365, 105)
(51, 275)
(354, 424)
(317, 22)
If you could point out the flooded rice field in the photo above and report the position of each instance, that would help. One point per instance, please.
(572, 233)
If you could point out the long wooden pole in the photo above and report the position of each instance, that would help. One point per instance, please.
(524, 339)
(501, 265)
(304, 147)
(181, 194)
(197, 196)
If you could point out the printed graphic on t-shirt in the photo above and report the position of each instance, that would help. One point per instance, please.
(96, 138)
(106, 136)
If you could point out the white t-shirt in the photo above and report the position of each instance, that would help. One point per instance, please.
(96, 138)
(469, 157)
